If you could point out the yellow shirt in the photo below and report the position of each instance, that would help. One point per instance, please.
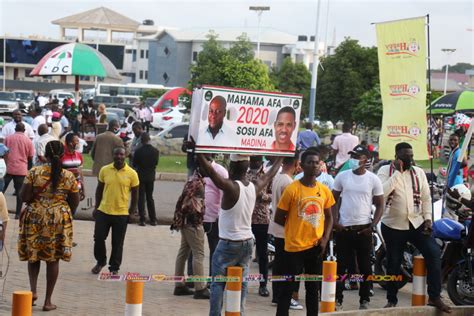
(305, 221)
(118, 184)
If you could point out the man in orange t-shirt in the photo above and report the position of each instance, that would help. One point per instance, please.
(305, 211)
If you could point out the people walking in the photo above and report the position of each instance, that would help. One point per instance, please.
(353, 222)
(116, 198)
(343, 144)
(407, 218)
(307, 138)
(9, 128)
(304, 210)
(145, 161)
(102, 150)
(50, 193)
(188, 219)
(20, 154)
(260, 221)
(40, 143)
(235, 230)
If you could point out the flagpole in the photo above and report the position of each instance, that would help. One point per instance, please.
(430, 113)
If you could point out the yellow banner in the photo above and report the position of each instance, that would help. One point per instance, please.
(402, 67)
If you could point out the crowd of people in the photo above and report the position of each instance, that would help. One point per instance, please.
(295, 199)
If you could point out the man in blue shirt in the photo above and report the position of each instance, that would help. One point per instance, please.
(307, 138)
(454, 170)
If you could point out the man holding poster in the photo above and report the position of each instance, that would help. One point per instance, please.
(285, 125)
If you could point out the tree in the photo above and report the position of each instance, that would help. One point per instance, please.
(369, 110)
(154, 93)
(347, 75)
(458, 68)
(293, 78)
(234, 67)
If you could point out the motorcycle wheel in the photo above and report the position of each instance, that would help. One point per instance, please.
(460, 290)
(380, 268)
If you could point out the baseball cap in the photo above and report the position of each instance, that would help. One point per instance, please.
(360, 150)
(237, 157)
(56, 115)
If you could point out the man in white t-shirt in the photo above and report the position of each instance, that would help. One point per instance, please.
(353, 221)
(280, 182)
(343, 144)
(38, 119)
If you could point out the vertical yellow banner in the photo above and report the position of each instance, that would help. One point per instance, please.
(402, 67)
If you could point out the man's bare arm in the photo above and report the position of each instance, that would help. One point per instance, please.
(262, 182)
(224, 184)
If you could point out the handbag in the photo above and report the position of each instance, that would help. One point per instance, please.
(24, 207)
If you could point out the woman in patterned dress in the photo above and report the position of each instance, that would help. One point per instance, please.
(50, 193)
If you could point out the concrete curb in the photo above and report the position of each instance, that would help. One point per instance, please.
(407, 311)
(162, 176)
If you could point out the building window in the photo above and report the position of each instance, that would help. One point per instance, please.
(141, 74)
(142, 53)
(146, 54)
(167, 51)
(166, 77)
(134, 55)
(146, 74)
(195, 56)
(128, 51)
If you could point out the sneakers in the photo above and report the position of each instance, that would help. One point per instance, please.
(153, 223)
(390, 304)
(339, 306)
(263, 291)
(114, 272)
(142, 223)
(182, 290)
(202, 294)
(364, 305)
(295, 305)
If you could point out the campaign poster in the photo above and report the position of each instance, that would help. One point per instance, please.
(229, 120)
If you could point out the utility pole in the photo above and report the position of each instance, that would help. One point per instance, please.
(259, 11)
(314, 77)
(448, 52)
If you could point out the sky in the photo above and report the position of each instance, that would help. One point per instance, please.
(451, 21)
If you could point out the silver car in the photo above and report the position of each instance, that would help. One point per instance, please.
(8, 102)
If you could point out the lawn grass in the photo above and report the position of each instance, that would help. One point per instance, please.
(425, 164)
(173, 164)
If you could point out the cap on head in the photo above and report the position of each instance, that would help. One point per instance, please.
(360, 150)
(56, 115)
(237, 157)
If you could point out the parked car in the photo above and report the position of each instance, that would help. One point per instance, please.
(120, 113)
(112, 116)
(8, 102)
(169, 140)
(162, 120)
(108, 101)
(170, 99)
(24, 97)
(61, 95)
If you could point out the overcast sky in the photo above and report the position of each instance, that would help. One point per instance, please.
(451, 21)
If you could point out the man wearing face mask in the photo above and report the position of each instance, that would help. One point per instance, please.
(102, 150)
(407, 218)
(353, 221)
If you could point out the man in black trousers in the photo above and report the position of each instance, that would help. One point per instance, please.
(145, 161)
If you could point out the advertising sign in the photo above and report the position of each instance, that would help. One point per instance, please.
(229, 120)
(402, 66)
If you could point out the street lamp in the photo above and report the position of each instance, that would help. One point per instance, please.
(448, 52)
(259, 11)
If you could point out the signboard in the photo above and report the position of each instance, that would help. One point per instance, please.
(402, 66)
(229, 120)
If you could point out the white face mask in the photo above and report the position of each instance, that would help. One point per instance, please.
(354, 164)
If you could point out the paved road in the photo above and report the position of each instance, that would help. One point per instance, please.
(166, 194)
(147, 250)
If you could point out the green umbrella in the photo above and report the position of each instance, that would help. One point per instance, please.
(450, 103)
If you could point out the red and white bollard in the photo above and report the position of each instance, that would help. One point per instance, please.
(328, 288)
(418, 296)
(233, 292)
(134, 298)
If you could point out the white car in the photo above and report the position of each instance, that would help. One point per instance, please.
(8, 102)
(24, 97)
(162, 120)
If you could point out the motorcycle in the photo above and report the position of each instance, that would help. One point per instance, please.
(457, 260)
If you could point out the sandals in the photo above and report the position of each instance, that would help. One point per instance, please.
(47, 308)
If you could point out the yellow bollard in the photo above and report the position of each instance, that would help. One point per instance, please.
(134, 298)
(418, 296)
(233, 292)
(22, 302)
(328, 288)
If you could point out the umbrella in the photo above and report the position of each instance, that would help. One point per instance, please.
(75, 59)
(462, 101)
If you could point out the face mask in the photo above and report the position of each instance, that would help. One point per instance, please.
(406, 163)
(354, 164)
